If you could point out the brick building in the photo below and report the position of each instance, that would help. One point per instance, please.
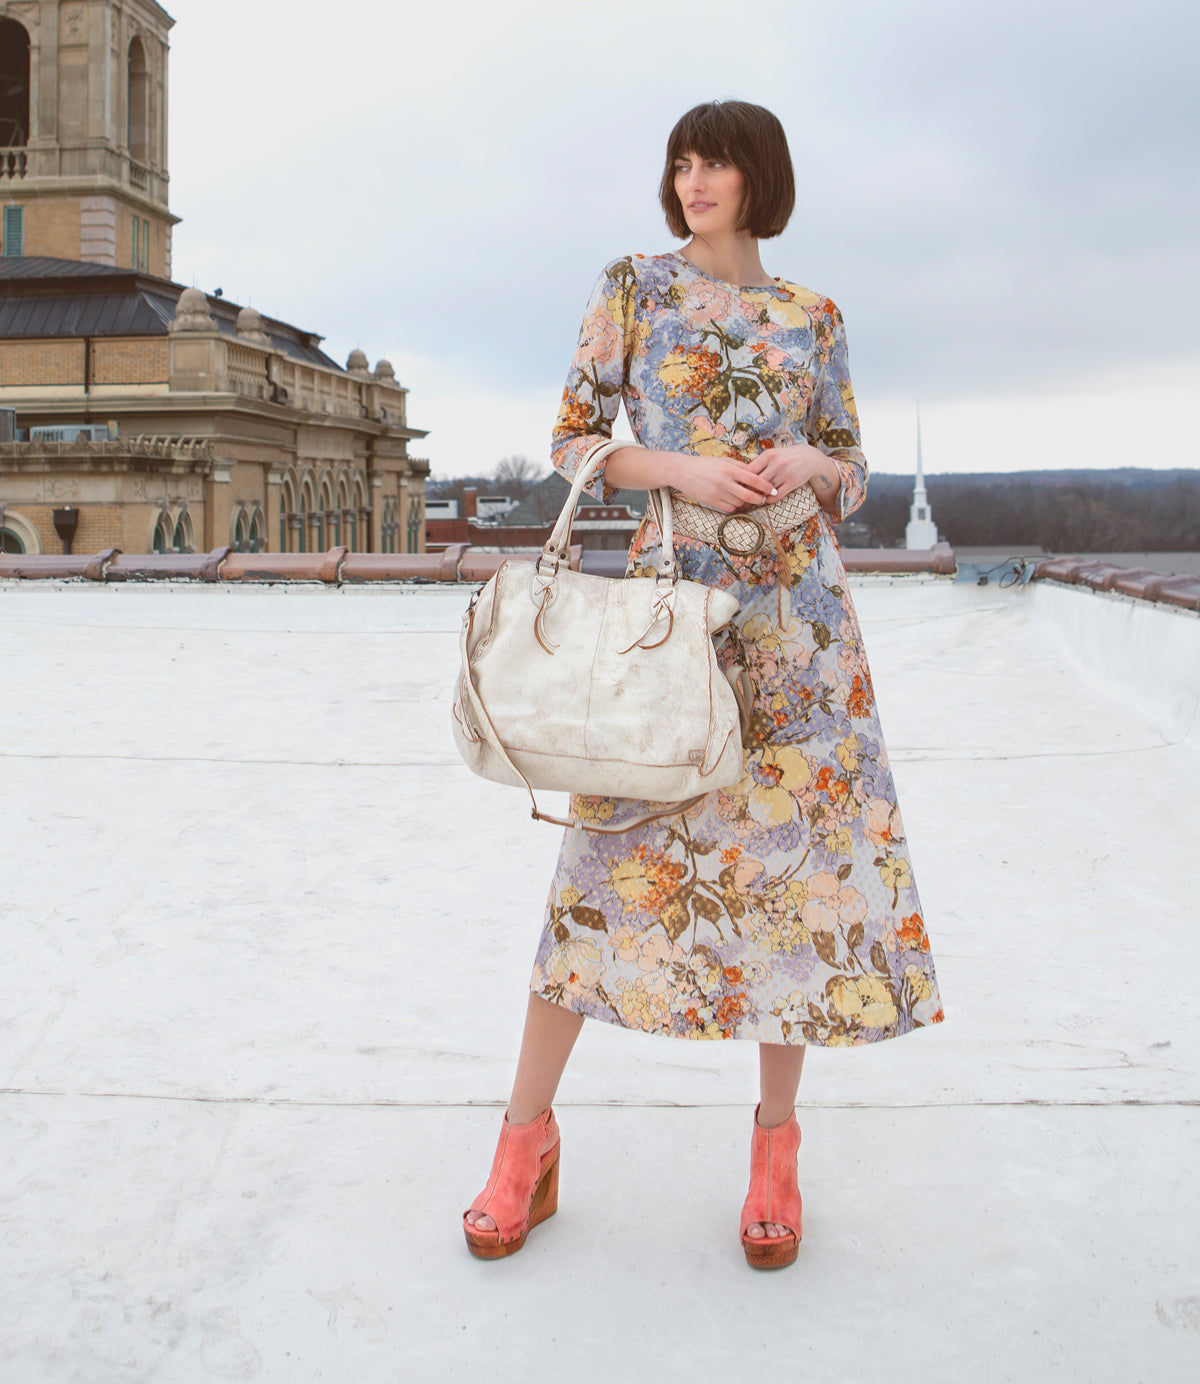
(149, 416)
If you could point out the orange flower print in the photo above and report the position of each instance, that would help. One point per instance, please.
(911, 932)
(861, 698)
(689, 371)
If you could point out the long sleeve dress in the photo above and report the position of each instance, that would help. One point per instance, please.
(782, 909)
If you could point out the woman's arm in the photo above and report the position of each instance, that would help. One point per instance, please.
(720, 482)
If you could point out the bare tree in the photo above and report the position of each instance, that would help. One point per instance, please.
(518, 473)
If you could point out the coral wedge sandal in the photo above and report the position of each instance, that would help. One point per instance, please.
(774, 1195)
(522, 1190)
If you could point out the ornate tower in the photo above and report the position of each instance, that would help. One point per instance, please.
(83, 131)
(921, 531)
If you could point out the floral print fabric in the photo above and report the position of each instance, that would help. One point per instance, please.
(782, 909)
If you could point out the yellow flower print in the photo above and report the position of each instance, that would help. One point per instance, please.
(628, 878)
(760, 631)
(575, 963)
(571, 896)
(918, 983)
(841, 842)
(594, 809)
(865, 998)
(848, 751)
(788, 771)
(895, 873)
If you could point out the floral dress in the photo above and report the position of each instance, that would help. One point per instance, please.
(782, 909)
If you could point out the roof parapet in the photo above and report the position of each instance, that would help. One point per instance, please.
(1179, 589)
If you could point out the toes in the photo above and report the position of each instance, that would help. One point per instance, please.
(480, 1222)
(755, 1231)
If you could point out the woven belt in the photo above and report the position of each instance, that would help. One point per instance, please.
(743, 535)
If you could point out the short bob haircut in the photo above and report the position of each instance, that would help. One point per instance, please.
(750, 138)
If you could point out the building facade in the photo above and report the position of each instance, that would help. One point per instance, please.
(147, 416)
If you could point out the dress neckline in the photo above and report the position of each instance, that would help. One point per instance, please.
(777, 286)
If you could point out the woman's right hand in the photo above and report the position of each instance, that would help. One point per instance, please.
(722, 483)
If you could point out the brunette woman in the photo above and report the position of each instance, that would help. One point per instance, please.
(781, 910)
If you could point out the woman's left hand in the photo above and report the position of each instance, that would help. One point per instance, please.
(788, 468)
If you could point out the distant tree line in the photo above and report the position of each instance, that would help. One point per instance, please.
(1123, 510)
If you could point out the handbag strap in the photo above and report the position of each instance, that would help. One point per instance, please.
(554, 550)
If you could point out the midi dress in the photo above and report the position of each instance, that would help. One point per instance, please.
(782, 909)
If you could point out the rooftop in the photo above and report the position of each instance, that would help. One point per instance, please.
(267, 943)
(44, 298)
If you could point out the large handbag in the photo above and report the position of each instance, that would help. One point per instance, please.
(598, 686)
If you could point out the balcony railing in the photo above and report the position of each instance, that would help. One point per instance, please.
(13, 163)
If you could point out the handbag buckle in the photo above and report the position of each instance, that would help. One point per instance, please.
(759, 529)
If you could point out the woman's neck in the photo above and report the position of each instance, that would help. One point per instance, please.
(734, 259)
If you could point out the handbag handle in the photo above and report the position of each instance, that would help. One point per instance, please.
(554, 550)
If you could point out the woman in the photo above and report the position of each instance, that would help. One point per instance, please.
(782, 909)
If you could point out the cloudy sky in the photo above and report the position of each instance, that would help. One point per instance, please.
(1002, 200)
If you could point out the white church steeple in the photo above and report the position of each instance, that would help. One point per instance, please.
(921, 531)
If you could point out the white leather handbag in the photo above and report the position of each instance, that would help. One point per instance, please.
(598, 686)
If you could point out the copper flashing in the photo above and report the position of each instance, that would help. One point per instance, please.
(269, 567)
(938, 559)
(166, 566)
(81, 566)
(440, 566)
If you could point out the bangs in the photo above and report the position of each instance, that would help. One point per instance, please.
(702, 131)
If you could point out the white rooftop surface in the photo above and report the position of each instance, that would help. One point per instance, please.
(265, 953)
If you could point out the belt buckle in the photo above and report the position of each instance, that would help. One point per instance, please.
(759, 528)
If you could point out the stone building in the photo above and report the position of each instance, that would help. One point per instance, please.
(154, 417)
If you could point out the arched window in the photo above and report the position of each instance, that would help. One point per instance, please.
(305, 532)
(330, 519)
(241, 533)
(416, 516)
(10, 542)
(389, 526)
(258, 532)
(182, 537)
(139, 103)
(14, 88)
(163, 533)
(287, 512)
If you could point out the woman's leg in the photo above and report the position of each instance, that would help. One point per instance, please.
(550, 1033)
(779, 1068)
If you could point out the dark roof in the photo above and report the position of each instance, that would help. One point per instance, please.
(544, 502)
(41, 297)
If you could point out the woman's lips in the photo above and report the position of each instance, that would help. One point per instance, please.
(701, 206)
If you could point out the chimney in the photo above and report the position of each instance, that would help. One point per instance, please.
(470, 494)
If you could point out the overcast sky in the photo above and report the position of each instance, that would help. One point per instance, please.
(1002, 200)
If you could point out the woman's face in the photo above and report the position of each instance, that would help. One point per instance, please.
(710, 191)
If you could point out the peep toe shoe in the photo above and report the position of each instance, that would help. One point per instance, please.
(774, 1195)
(522, 1190)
